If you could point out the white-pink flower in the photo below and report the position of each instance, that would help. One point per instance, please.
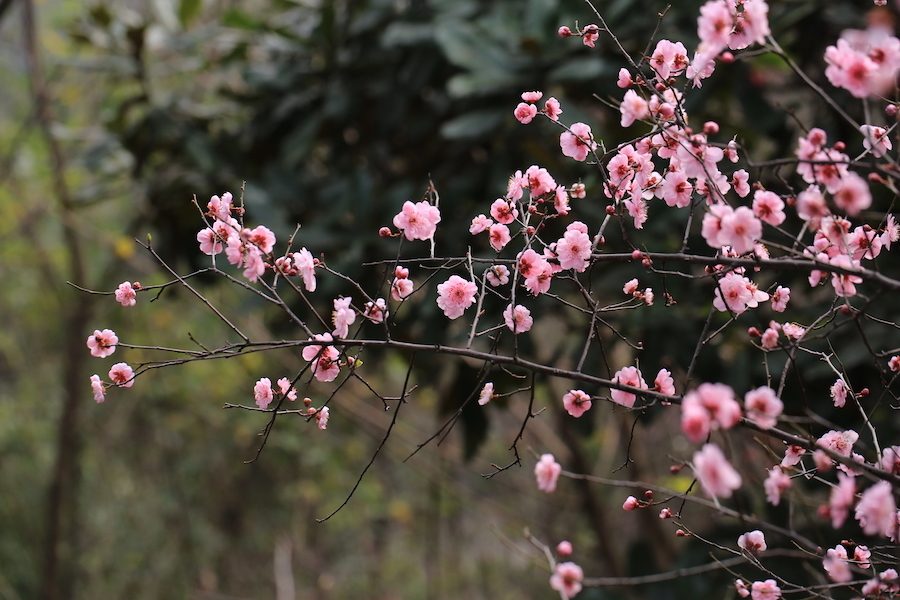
(715, 474)
(576, 402)
(567, 579)
(876, 510)
(456, 295)
(102, 343)
(753, 542)
(577, 142)
(775, 485)
(627, 376)
(418, 221)
(262, 392)
(125, 294)
(487, 392)
(525, 112)
(122, 375)
(322, 416)
(574, 250)
(546, 472)
(342, 317)
(765, 590)
(763, 407)
(518, 319)
(98, 388)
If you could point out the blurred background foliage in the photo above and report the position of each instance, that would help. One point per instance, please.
(334, 113)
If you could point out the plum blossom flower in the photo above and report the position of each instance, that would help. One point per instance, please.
(841, 499)
(418, 221)
(763, 407)
(627, 376)
(715, 474)
(518, 319)
(775, 485)
(633, 108)
(376, 311)
(487, 392)
(576, 403)
(567, 579)
(325, 365)
(322, 416)
(590, 34)
(574, 250)
(456, 295)
(539, 182)
(836, 565)
(664, 382)
(262, 393)
(552, 109)
(342, 317)
(306, 264)
(499, 236)
(98, 388)
(741, 588)
(479, 224)
(711, 405)
(780, 298)
(768, 207)
(875, 139)
(564, 548)
(630, 287)
(547, 471)
(122, 375)
(876, 510)
(577, 142)
(284, 386)
(525, 112)
(220, 208)
(125, 294)
(532, 97)
(839, 393)
(854, 195)
(102, 343)
(765, 590)
(498, 275)
(753, 542)
(737, 293)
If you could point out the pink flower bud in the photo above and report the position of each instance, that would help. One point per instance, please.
(630, 503)
(890, 110)
(564, 32)
(637, 255)
(710, 128)
(727, 57)
(385, 232)
(564, 548)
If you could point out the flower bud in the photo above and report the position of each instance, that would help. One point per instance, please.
(564, 32)
(385, 232)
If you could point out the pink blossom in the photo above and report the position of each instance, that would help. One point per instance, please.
(567, 578)
(840, 442)
(263, 238)
(624, 80)
(637, 209)
(668, 58)
(518, 319)
(98, 388)
(710, 405)
(220, 208)
(741, 588)
(763, 407)
(891, 232)
(376, 311)
(890, 460)
(664, 382)
(498, 275)
(633, 108)
(861, 556)
(209, 241)
(715, 474)
(630, 504)
(525, 112)
(262, 393)
(324, 360)
(122, 375)
(811, 206)
(875, 139)
(564, 548)
(839, 393)
(865, 243)
(102, 343)
(753, 542)
(740, 229)
(577, 142)
(737, 293)
(793, 331)
(741, 183)
(854, 195)
(499, 236)
(576, 403)
(780, 298)
(552, 109)
(561, 200)
(876, 510)
(627, 376)
(322, 416)
(306, 264)
(765, 590)
(574, 250)
(547, 471)
(841, 499)
(401, 288)
(844, 284)
(836, 565)
(342, 317)
(539, 182)
(284, 386)
(532, 97)
(579, 191)
(792, 456)
(125, 294)
(769, 339)
(456, 295)
(769, 207)
(675, 190)
(849, 69)
(775, 485)
(630, 287)
(487, 392)
(418, 221)
(479, 224)
(590, 34)
(894, 363)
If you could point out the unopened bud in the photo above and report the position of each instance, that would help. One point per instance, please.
(529, 231)
(682, 533)
(610, 210)
(646, 263)
(637, 255)
(863, 393)
(648, 494)
(710, 128)
(890, 110)
(840, 146)
(665, 514)
(754, 332)
(385, 232)
(727, 57)
(307, 402)
(630, 503)
(136, 285)
(564, 32)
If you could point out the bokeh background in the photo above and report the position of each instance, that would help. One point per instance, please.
(331, 114)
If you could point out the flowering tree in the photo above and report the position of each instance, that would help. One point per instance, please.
(783, 260)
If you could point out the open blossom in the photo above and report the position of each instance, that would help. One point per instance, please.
(487, 392)
(768, 207)
(711, 405)
(418, 221)
(499, 236)
(854, 195)
(875, 139)
(576, 403)
(325, 365)
(98, 388)
(763, 407)
(220, 208)
(498, 275)
(765, 590)
(753, 542)
(306, 264)
(518, 319)
(574, 250)
(839, 441)
(737, 293)
(627, 376)
(633, 108)
(262, 392)
(715, 474)
(122, 375)
(841, 499)
(577, 142)
(567, 578)
(664, 382)
(125, 294)
(479, 224)
(376, 311)
(504, 211)
(456, 295)
(836, 565)
(342, 317)
(876, 510)
(547, 471)
(552, 109)
(102, 343)
(775, 485)
(590, 35)
(284, 386)
(839, 393)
